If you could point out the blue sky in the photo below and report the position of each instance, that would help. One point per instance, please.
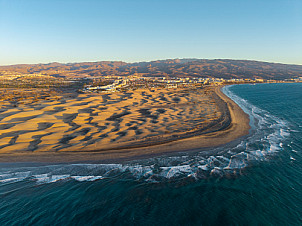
(42, 31)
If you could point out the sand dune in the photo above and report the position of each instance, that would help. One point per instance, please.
(96, 122)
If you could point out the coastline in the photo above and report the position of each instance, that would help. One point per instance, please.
(233, 126)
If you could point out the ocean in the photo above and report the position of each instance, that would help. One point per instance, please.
(253, 181)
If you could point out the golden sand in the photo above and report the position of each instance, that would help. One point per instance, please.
(119, 125)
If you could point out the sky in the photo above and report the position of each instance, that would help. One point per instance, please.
(43, 31)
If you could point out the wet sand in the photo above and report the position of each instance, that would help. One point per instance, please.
(119, 126)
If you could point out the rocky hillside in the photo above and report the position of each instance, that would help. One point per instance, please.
(169, 68)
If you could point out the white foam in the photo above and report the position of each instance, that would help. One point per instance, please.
(45, 178)
(292, 158)
(86, 178)
(284, 133)
(169, 172)
(267, 139)
(13, 179)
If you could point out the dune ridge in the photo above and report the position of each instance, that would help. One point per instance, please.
(119, 125)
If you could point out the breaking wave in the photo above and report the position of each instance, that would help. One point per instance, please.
(267, 136)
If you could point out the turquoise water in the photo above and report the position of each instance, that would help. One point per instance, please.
(254, 181)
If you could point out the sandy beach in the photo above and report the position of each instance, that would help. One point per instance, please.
(119, 126)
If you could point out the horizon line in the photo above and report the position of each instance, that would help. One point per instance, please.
(133, 62)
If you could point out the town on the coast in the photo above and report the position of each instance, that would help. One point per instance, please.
(134, 82)
(112, 83)
(113, 76)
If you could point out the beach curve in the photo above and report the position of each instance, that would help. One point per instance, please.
(226, 131)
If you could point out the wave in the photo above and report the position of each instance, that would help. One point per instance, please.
(267, 136)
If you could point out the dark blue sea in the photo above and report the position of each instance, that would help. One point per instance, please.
(254, 181)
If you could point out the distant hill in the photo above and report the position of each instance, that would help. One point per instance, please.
(220, 68)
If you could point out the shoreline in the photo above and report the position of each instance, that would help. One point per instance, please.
(234, 125)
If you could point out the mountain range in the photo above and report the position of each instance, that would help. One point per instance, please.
(218, 68)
